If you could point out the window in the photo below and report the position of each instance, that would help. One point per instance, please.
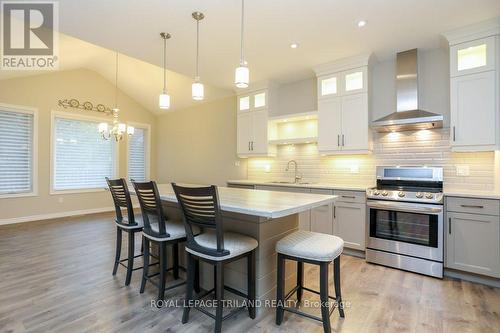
(17, 151)
(138, 154)
(81, 158)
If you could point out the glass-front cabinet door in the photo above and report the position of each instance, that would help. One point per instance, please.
(328, 86)
(473, 57)
(259, 100)
(354, 81)
(244, 103)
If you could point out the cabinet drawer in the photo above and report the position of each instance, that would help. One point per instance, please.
(351, 196)
(473, 206)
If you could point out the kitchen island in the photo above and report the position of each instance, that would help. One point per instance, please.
(264, 215)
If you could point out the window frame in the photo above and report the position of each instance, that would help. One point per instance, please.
(73, 116)
(146, 127)
(34, 154)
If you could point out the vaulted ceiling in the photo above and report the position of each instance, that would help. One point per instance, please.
(324, 29)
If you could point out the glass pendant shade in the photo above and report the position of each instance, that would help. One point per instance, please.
(164, 101)
(198, 90)
(242, 76)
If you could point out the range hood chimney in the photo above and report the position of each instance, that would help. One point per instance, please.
(408, 116)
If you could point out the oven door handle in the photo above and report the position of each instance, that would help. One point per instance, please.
(405, 207)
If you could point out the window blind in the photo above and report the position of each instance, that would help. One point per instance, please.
(16, 152)
(82, 159)
(137, 155)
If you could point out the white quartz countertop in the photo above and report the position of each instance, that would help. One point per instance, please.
(327, 186)
(267, 204)
(472, 193)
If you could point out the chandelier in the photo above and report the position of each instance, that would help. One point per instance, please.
(118, 129)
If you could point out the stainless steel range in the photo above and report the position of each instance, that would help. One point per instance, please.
(405, 219)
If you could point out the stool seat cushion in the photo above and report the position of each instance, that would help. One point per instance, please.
(174, 228)
(311, 245)
(124, 223)
(235, 243)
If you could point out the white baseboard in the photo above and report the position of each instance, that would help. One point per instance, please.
(49, 216)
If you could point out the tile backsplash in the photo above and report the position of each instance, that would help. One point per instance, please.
(473, 171)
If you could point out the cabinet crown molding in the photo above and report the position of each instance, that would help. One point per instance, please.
(473, 31)
(344, 64)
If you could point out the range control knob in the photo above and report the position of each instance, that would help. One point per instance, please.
(385, 193)
(429, 195)
(419, 195)
(376, 192)
(401, 194)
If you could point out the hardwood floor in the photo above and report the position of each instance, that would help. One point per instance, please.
(56, 276)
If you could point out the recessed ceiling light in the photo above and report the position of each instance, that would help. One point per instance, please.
(294, 45)
(361, 23)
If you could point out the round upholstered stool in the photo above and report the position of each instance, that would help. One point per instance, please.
(312, 248)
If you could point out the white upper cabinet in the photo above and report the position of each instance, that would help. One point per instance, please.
(474, 93)
(252, 124)
(473, 57)
(473, 111)
(343, 107)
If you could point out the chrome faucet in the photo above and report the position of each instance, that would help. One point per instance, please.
(297, 176)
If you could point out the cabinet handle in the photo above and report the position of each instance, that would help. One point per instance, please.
(248, 145)
(472, 206)
(449, 225)
(252, 145)
(348, 196)
(338, 140)
(454, 134)
(343, 141)
(334, 212)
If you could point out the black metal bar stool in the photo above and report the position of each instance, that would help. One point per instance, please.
(201, 208)
(313, 248)
(129, 224)
(157, 229)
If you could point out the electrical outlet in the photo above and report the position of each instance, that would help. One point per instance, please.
(462, 170)
(354, 168)
(267, 168)
(237, 163)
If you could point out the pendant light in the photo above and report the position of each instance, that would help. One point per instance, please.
(118, 128)
(164, 100)
(242, 74)
(197, 89)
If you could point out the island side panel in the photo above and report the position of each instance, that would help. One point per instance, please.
(267, 232)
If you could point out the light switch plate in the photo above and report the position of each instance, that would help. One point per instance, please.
(462, 170)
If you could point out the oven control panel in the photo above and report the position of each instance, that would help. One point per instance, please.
(424, 197)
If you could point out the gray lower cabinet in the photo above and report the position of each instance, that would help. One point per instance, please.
(322, 217)
(350, 222)
(473, 243)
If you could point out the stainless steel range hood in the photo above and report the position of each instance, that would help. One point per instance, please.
(408, 116)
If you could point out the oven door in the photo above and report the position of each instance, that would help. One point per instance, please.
(406, 228)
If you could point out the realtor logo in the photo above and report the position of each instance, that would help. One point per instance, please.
(29, 35)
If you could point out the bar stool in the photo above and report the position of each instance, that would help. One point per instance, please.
(129, 224)
(313, 248)
(160, 231)
(201, 208)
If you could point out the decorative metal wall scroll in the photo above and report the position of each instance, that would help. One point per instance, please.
(87, 106)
